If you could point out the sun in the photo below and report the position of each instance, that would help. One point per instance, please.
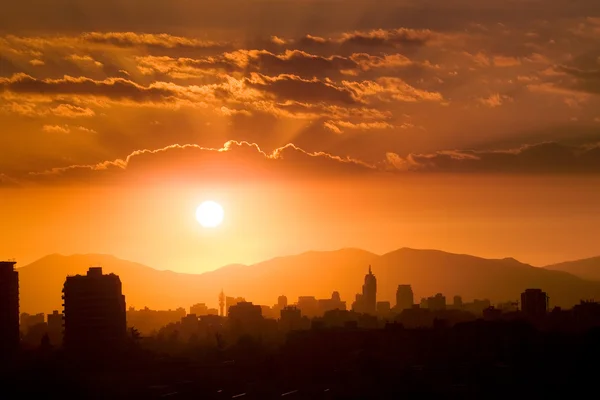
(210, 214)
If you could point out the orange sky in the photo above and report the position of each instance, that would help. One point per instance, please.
(317, 124)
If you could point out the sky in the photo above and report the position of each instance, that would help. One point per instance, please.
(466, 126)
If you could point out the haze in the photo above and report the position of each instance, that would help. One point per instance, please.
(317, 125)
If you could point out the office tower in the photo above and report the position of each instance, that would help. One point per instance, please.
(9, 307)
(282, 302)
(534, 303)
(369, 293)
(94, 311)
(404, 298)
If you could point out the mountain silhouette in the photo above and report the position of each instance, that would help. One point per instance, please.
(588, 268)
(309, 274)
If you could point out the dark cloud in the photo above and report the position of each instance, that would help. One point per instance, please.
(303, 90)
(586, 80)
(117, 88)
(539, 158)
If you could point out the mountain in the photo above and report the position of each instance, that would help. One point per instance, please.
(588, 268)
(312, 273)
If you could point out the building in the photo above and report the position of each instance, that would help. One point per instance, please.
(94, 311)
(404, 298)
(28, 321)
(534, 303)
(9, 306)
(458, 302)
(367, 301)
(437, 302)
(309, 306)
(232, 301)
(334, 303)
(222, 303)
(383, 307)
(245, 318)
(282, 302)
(290, 319)
(370, 293)
(55, 327)
(199, 309)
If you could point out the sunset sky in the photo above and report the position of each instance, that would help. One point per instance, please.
(468, 126)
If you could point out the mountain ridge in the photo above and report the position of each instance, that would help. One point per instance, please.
(317, 273)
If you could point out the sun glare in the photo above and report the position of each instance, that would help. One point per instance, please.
(210, 214)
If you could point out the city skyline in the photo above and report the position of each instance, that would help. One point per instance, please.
(463, 126)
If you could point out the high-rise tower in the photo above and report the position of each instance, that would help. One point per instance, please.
(9, 307)
(369, 293)
(94, 311)
(222, 303)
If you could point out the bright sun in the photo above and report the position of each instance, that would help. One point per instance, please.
(210, 214)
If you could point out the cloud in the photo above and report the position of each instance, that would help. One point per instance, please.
(117, 88)
(494, 100)
(56, 128)
(303, 90)
(71, 111)
(65, 129)
(83, 60)
(234, 162)
(132, 39)
(338, 126)
(534, 159)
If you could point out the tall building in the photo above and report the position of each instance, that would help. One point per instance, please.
(404, 298)
(9, 306)
(282, 302)
(55, 327)
(369, 293)
(534, 303)
(94, 311)
(222, 303)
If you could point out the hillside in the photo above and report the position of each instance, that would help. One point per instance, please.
(311, 273)
(588, 268)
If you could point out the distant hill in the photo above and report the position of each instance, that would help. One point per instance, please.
(312, 273)
(588, 268)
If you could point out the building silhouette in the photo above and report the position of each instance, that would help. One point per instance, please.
(94, 311)
(404, 298)
(437, 302)
(290, 319)
(366, 302)
(369, 293)
(245, 318)
(199, 309)
(308, 305)
(55, 323)
(232, 301)
(334, 303)
(222, 303)
(534, 303)
(9, 306)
